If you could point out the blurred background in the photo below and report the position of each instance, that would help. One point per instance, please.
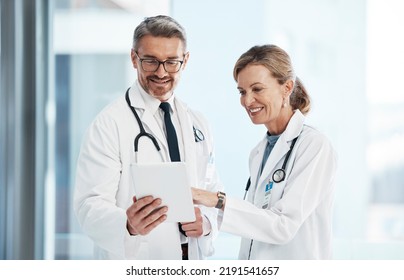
(62, 61)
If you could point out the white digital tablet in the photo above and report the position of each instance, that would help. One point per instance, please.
(168, 181)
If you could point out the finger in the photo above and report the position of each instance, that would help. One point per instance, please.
(142, 204)
(137, 204)
(149, 208)
(136, 214)
(191, 226)
(193, 233)
(155, 215)
(138, 223)
(193, 230)
(153, 225)
(197, 212)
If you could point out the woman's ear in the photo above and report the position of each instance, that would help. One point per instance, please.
(289, 85)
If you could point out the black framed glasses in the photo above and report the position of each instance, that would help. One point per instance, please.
(152, 64)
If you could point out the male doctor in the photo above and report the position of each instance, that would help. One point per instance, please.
(122, 225)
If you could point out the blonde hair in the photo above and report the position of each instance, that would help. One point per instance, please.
(278, 62)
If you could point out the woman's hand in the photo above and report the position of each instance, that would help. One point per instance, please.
(206, 198)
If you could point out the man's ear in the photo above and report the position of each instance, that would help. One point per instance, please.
(186, 57)
(133, 58)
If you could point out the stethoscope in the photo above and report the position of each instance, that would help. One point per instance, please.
(198, 135)
(279, 174)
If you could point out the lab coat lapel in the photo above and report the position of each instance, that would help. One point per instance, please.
(280, 149)
(188, 140)
(282, 146)
(256, 164)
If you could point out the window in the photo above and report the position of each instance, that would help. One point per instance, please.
(92, 42)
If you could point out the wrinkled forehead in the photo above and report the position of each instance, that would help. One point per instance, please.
(161, 46)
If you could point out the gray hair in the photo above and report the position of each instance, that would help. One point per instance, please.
(159, 26)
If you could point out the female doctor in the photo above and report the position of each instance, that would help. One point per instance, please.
(288, 212)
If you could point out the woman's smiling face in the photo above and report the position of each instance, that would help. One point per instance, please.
(261, 94)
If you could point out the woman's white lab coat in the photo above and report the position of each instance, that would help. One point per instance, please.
(104, 186)
(297, 224)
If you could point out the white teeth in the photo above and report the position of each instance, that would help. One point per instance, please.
(254, 110)
(160, 81)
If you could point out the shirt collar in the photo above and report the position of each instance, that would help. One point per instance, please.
(171, 102)
(152, 103)
(272, 138)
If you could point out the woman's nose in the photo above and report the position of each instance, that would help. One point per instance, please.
(248, 99)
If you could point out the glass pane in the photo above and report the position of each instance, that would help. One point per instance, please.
(386, 128)
(92, 42)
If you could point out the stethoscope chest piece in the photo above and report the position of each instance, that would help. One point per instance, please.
(279, 175)
(198, 135)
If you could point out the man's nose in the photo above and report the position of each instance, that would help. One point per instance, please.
(161, 71)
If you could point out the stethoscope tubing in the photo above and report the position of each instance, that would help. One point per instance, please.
(281, 170)
(197, 133)
(280, 174)
(142, 132)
